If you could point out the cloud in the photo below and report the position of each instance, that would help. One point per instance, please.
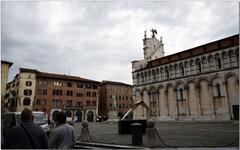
(99, 40)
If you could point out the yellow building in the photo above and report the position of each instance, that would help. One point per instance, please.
(5, 65)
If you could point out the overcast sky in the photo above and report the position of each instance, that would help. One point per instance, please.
(98, 40)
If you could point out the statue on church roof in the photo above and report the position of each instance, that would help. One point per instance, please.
(154, 31)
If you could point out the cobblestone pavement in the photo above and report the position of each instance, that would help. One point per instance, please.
(179, 134)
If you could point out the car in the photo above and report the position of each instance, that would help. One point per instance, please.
(11, 119)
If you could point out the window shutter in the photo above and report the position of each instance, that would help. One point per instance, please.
(178, 94)
(222, 92)
(184, 96)
(214, 91)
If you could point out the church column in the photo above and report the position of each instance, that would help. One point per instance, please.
(199, 105)
(226, 100)
(158, 102)
(177, 109)
(187, 99)
(211, 99)
(166, 98)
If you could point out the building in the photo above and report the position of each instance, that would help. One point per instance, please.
(5, 65)
(201, 83)
(49, 92)
(115, 95)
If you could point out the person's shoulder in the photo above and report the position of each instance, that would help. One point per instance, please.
(69, 127)
(14, 130)
(17, 127)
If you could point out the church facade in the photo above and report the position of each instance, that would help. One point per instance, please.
(201, 83)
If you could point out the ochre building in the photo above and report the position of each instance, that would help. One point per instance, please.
(115, 95)
(5, 65)
(50, 93)
(201, 83)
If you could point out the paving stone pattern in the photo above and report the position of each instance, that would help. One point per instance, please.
(180, 134)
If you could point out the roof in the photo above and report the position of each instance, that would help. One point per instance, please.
(56, 76)
(6, 62)
(114, 82)
(199, 50)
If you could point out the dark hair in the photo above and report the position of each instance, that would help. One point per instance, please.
(27, 114)
(61, 118)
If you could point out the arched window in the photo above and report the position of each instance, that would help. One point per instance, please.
(217, 88)
(180, 92)
(167, 73)
(218, 63)
(182, 70)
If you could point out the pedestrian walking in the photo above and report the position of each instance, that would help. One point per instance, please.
(27, 135)
(62, 136)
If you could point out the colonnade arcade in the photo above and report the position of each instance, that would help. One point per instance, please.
(204, 97)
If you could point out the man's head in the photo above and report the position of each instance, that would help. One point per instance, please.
(60, 118)
(26, 114)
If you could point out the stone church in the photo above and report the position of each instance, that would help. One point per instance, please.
(201, 83)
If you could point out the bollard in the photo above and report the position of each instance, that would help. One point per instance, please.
(137, 132)
(152, 139)
(85, 135)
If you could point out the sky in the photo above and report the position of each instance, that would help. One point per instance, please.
(99, 40)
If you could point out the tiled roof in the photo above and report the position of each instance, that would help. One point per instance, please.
(114, 82)
(56, 76)
(7, 62)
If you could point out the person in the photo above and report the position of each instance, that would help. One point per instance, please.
(62, 137)
(27, 135)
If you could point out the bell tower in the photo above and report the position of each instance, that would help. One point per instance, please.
(152, 47)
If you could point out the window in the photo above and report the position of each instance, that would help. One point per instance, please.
(27, 92)
(13, 85)
(167, 73)
(94, 94)
(7, 95)
(39, 92)
(28, 83)
(57, 83)
(60, 102)
(217, 90)
(94, 103)
(44, 91)
(180, 92)
(95, 86)
(26, 101)
(88, 94)
(44, 102)
(69, 84)
(79, 85)
(42, 82)
(53, 102)
(8, 86)
(69, 93)
(199, 66)
(69, 103)
(38, 102)
(219, 65)
(182, 70)
(88, 86)
(78, 103)
(88, 103)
